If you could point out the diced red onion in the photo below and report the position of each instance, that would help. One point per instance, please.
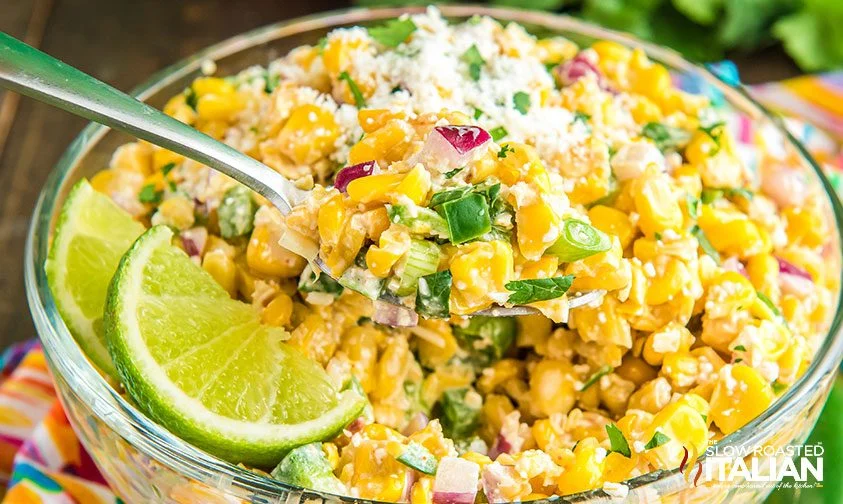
(734, 264)
(500, 445)
(788, 268)
(193, 240)
(357, 425)
(394, 315)
(795, 285)
(449, 147)
(409, 480)
(417, 423)
(576, 68)
(493, 476)
(456, 481)
(785, 186)
(349, 173)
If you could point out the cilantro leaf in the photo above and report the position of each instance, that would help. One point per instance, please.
(657, 440)
(778, 386)
(705, 244)
(477, 113)
(505, 149)
(693, 206)
(433, 295)
(600, 373)
(167, 168)
(521, 101)
(740, 348)
(148, 194)
(394, 32)
(581, 117)
(617, 441)
(498, 133)
(530, 291)
(475, 62)
(665, 137)
(359, 100)
(450, 174)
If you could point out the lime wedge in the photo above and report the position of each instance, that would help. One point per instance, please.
(91, 236)
(202, 365)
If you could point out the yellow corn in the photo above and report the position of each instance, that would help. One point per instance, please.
(339, 52)
(732, 233)
(265, 256)
(552, 387)
(538, 228)
(763, 270)
(521, 164)
(422, 492)
(584, 472)
(391, 187)
(612, 222)
(278, 311)
(479, 268)
(133, 157)
(673, 337)
(602, 324)
(740, 395)
(221, 267)
(498, 373)
(102, 181)
(386, 144)
(668, 282)
(309, 134)
(176, 212)
(618, 467)
(657, 209)
(495, 408)
(214, 107)
(636, 370)
(607, 270)
(686, 429)
(438, 345)
(652, 396)
(178, 108)
(805, 226)
(332, 454)
(372, 120)
(394, 243)
(533, 330)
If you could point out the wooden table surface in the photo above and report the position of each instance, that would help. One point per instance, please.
(123, 42)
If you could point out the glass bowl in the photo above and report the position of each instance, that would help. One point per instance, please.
(144, 462)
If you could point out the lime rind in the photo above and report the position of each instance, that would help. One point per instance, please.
(75, 288)
(258, 442)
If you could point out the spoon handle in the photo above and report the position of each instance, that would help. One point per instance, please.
(38, 75)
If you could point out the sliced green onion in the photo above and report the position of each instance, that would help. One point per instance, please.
(419, 220)
(467, 217)
(422, 259)
(578, 241)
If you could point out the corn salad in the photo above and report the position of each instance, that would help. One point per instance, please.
(463, 166)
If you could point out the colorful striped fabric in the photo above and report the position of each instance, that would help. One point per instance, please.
(42, 461)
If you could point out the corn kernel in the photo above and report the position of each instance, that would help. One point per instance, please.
(612, 222)
(658, 210)
(278, 311)
(221, 267)
(552, 387)
(309, 134)
(740, 395)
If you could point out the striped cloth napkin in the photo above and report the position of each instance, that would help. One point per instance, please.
(42, 462)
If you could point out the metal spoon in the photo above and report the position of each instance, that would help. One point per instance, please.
(38, 75)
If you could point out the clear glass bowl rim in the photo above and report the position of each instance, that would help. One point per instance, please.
(159, 444)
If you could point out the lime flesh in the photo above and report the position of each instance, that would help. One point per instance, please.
(202, 365)
(91, 236)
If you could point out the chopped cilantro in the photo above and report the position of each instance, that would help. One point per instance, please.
(665, 137)
(191, 98)
(394, 32)
(714, 131)
(581, 117)
(657, 440)
(505, 149)
(172, 186)
(359, 100)
(321, 44)
(477, 113)
(740, 348)
(498, 133)
(450, 174)
(778, 386)
(148, 194)
(693, 206)
(710, 195)
(167, 168)
(475, 62)
(601, 372)
(530, 291)
(617, 441)
(705, 244)
(658, 236)
(521, 101)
